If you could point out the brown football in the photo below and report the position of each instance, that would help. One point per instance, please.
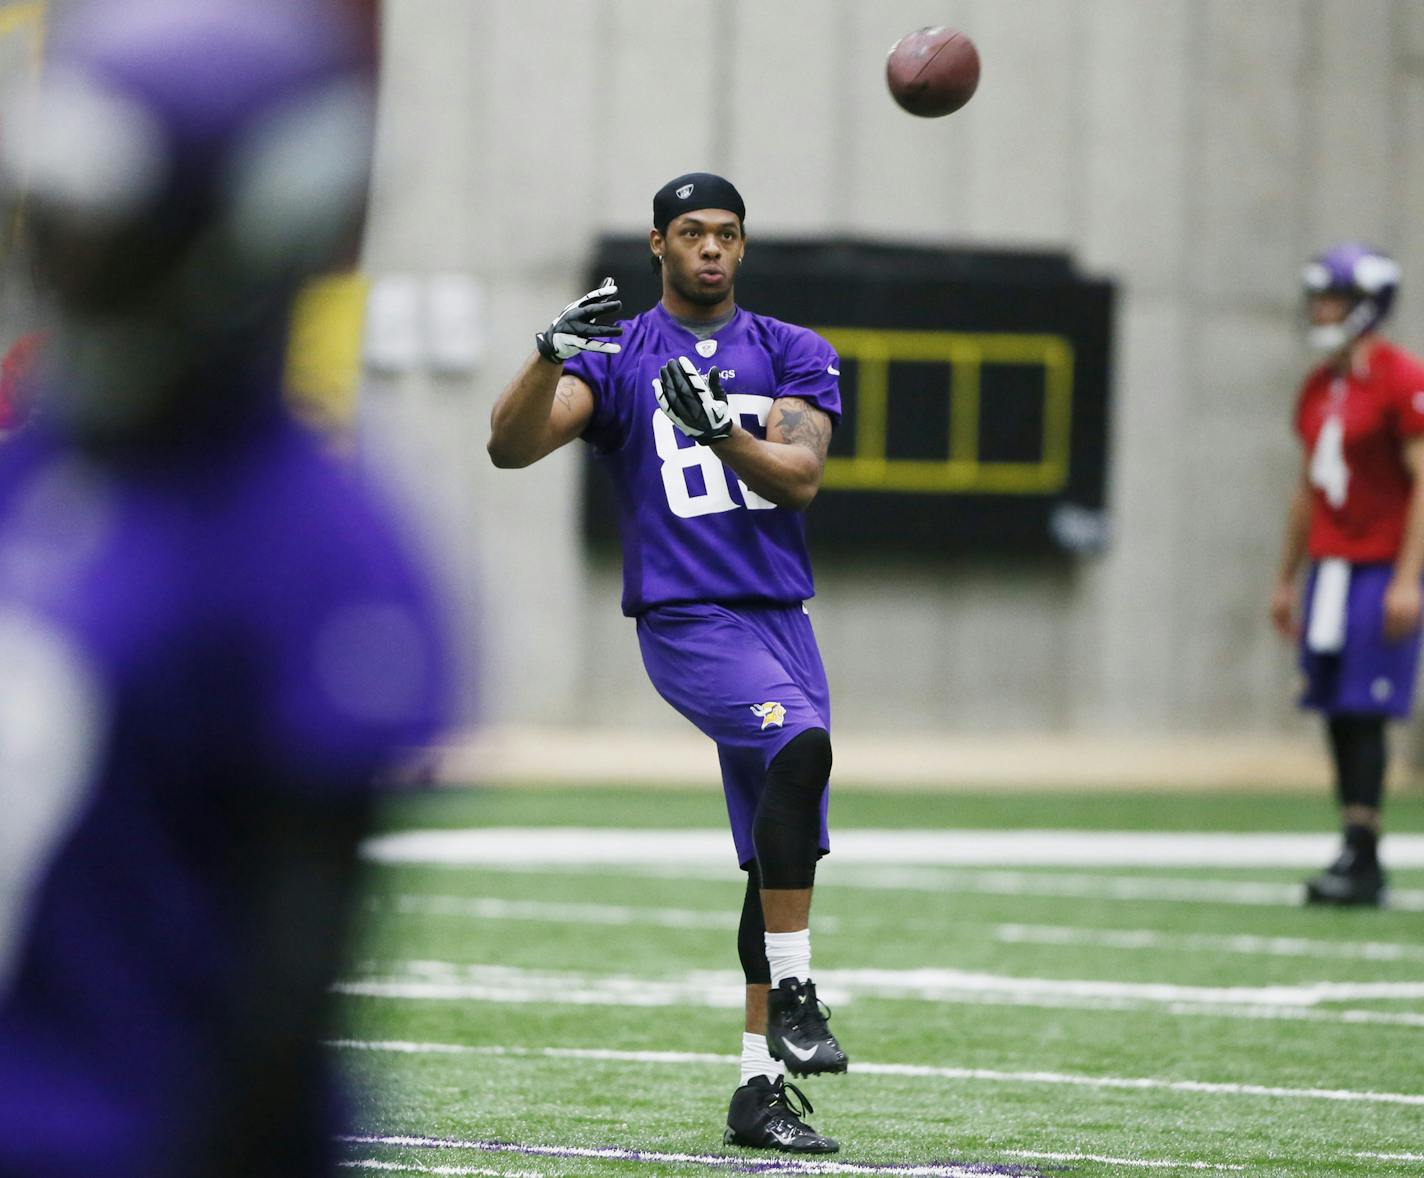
(932, 71)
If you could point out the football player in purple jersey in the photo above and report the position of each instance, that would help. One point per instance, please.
(214, 639)
(714, 424)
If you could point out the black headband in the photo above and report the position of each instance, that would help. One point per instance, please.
(696, 190)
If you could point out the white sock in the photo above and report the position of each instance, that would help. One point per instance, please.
(789, 955)
(756, 1059)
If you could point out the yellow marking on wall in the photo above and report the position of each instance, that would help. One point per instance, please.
(324, 350)
(24, 16)
(965, 355)
(20, 20)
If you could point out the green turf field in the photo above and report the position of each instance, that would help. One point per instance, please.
(1001, 1019)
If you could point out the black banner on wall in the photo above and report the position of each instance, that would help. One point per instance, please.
(975, 387)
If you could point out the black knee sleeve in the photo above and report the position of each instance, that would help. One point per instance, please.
(787, 830)
(751, 933)
(1357, 741)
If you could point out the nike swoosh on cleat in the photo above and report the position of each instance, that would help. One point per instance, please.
(802, 1054)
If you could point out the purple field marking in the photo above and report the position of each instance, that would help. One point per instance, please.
(946, 1169)
(450, 1171)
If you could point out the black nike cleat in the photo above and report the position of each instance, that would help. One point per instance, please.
(763, 1117)
(1348, 883)
(796, 1031)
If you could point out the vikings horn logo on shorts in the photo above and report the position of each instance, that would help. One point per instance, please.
(772, 715)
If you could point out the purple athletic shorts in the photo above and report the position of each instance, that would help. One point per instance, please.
(1370, 674)
(751, 678)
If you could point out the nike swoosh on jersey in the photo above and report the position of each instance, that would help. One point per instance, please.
(833, 370)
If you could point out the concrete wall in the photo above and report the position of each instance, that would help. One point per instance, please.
(1195, 150)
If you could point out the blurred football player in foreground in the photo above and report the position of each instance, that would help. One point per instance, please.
(1358, 515)
(212, 638)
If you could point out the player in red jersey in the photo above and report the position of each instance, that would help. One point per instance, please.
(16, 377)
(1358, 516)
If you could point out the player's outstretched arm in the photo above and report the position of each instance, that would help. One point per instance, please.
(542, 409)
(1285, 596)
(1403, 600)
(787, 467)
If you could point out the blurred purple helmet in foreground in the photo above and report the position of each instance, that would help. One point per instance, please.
(185, 166)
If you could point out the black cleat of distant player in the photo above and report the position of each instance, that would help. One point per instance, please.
(763, 1117)
(796, 1031)
(1348, 882)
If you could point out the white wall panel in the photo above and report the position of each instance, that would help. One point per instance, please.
(1027, 182)
(1408, 189)
(1130, 630)
(1353, 98)
(902, 176)
(536, 134)
(663, 71)
(1246, 149)
(1194, 150)
(786, 98)
(1135, 114)
(434, 135)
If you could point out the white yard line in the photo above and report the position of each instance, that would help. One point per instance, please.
(1129, 888)
(1392, 1157)
(1250, 946)
(496, 908)
(985, 848)
(1146, 1163)
(986, 1075)
(645, 995)
(765, 1164)
(446, 981)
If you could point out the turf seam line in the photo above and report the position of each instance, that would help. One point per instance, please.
(1143, 1163)
(1244, 944)
(607, 1055)
(496, 908)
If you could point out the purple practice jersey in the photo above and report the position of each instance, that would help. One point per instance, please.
(691, 530)
(183, 637)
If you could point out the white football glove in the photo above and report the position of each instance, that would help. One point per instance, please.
(695, 403)
(574, 330)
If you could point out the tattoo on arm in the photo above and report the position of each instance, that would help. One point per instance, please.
(802, 424)
(565, 393)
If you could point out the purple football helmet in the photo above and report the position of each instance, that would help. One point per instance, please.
(1368, 277)
(185, 166)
